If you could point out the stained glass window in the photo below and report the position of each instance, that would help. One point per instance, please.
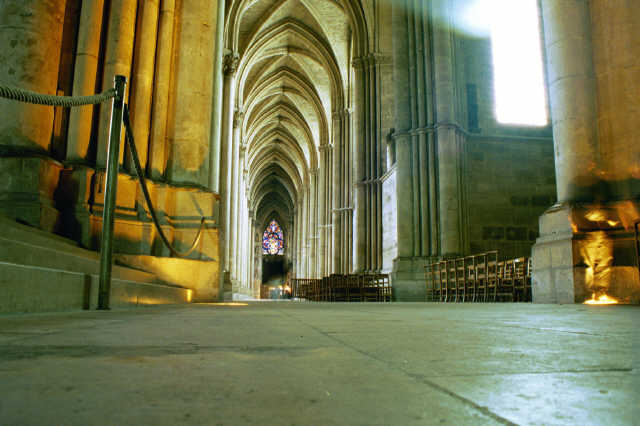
(272, 239)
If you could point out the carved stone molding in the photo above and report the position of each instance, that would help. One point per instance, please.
(230, 63)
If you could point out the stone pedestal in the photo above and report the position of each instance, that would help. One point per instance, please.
(408, 280)
(586, 249)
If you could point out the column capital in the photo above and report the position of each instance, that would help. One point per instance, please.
(372, 59)
(230, 63)
(238, 117)
(326, 147)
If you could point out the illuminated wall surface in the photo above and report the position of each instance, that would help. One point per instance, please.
(376, 136)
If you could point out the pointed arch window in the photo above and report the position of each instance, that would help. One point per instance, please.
(272, 239)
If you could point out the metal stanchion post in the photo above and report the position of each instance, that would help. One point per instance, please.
(111, 183)
(636, 229)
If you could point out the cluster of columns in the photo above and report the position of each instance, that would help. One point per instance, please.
(428, 142)
(165, 130)
(170, 90)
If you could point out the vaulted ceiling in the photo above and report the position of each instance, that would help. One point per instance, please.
(293, 73)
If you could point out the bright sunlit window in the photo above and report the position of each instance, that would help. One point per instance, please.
(517, 63)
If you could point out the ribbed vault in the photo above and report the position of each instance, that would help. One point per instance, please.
(292, 71)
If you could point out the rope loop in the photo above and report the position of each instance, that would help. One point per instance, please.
(147, 197)
(30, 97)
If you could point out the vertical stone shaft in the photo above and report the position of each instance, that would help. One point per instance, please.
(361, 162)
(84, 79)
(322, 202)
(348, 218)
(329, 212)
(615, 32)
(193, 93)
(30, 40)
(336, 190)
(234, 195)
(368, 164)
(119, 52)
(403, 67)
(313, 224)
(299, 248)
(142, 77)
(216, 120)
(162, 81)
(226, 148)
(572, 97)
(447, 141)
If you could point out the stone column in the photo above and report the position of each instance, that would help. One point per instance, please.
(586, 244)
(323, 220)
(84, 79)
(218, 87)
(336, 187)
(189, 133)
(448, 146)
(368, 163)
(236, 170)
(142, 78)
(230, 65)
(31, 36)
(162, 82)
(329, 235)
(30, 43)
(414, 124)
(117, 61)
(304, 255)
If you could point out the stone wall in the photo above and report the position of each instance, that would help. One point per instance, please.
(510, 183)
(509, 170)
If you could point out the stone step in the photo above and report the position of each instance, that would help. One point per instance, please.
(27, 245)
(28, 288)
(66, 258)
(12, 230)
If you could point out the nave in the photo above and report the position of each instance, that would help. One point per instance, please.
(286, 363)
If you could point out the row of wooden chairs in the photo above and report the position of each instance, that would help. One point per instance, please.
(344, 288)
(479, 278)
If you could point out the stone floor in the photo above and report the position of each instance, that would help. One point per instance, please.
(321, 364)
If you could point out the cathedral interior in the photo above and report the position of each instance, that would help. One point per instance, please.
(251, 162)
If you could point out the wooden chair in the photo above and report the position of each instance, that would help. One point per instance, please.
(481, 277)
(339, 288)
(460, 276)
(353, 288)
(384, 287)
(492, 275)
(369, 288)
(431, 274)
(442, 281)
(522, 278)
(504, 285)
(470, 278)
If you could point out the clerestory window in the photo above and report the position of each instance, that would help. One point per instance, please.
(517, 63)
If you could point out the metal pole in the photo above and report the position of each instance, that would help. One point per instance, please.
(637, 235)
(111, 184)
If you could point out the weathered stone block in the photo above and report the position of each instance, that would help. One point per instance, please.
(27, 190)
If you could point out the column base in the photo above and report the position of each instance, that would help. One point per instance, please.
(227, 287)
(408, 279)
(81, 197)
(28, 187)
(586, 249)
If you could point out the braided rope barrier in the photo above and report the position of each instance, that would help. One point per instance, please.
(147, 197)
(28, 96)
